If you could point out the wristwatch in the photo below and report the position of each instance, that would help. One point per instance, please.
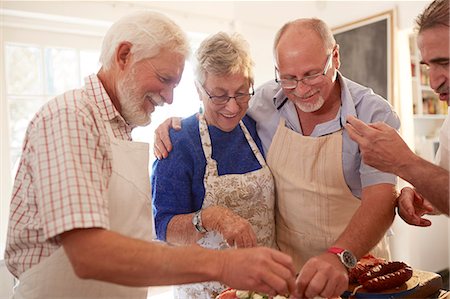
(197, 222)
(347, 258)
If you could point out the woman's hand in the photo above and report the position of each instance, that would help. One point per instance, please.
(236, 230)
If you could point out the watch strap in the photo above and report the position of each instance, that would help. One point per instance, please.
(197, 222)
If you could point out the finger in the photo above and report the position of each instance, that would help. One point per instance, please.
(280, 277)
(251, 238)
(276, 282)
(354, 134)
(381, 126)
(316, 285)
(424, 222)
(285, 260)
(159, 147)
(359, 126)
(176, 123)
(303, 279)
(156, 153)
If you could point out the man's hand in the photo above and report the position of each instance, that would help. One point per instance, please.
(412, 206)
(236, 230)
(323, 276)
(162, 144)
(380, 145)
(258, 269)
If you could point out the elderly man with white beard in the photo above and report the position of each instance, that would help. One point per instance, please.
(80, 221)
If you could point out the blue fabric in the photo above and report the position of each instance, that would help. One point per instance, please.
(177, 181)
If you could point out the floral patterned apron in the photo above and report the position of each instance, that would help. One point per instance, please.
(250, 195)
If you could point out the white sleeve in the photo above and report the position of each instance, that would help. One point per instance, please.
(443, 153)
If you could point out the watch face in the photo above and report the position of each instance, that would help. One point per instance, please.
(348, 259)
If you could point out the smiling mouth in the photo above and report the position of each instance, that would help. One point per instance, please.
(309, 96)
(229, 115)
(155, 102)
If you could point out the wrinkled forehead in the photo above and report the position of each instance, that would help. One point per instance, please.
(434, 42)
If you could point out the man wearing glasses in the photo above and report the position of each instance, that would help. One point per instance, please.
(331, 207)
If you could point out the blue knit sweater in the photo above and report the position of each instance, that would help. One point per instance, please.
(177, 181)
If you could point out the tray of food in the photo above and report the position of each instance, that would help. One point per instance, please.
(376, 278)
(238, 294)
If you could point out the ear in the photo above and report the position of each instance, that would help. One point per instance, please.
(336, 57)
(123, 54)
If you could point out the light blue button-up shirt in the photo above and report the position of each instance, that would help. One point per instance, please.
(270, 104)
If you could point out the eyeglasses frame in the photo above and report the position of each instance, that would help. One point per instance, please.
(212, 98)
(323, 73)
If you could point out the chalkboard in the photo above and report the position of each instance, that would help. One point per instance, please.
(365, 49)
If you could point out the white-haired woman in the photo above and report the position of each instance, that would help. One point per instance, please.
(215, 189)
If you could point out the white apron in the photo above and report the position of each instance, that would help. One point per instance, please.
(130, 214)
(314, 203)
(250, 195)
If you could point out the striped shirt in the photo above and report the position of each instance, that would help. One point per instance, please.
(62, 180)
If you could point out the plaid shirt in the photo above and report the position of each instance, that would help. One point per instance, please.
(62, 180)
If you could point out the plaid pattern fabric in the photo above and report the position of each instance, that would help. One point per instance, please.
(63, 174)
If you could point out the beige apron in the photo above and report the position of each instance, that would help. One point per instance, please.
(250, 195)
(314, 203)
(130, 214)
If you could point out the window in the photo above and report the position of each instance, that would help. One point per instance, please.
(34, 75)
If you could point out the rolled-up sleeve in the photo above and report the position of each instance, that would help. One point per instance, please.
(172, 186)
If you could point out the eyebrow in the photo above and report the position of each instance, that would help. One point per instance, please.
(221, 89)
(436, 60)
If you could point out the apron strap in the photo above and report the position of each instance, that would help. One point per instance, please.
(252, 144)
(211, 164)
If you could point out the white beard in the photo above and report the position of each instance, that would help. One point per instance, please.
(310, 107)
(132, 102)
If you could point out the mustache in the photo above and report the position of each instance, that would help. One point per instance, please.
(307, 95)
(444, 88)
(156, 98)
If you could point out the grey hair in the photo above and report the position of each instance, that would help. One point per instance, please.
(317, 25)
(223, 54)
(148, 32)
(436, 14)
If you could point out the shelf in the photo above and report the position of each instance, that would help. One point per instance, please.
(430, 116)
(427, 88)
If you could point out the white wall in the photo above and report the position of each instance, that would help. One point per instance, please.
(258, 22)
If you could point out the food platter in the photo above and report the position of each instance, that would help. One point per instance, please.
(401, 291)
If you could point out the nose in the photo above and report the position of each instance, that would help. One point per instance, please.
(302, 88)
(167, 94)
(233, 106)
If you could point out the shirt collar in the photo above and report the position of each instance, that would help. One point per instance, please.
(96, 91)
(347, 102)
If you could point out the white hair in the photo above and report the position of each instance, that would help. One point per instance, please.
(223, 54)
(148, 32)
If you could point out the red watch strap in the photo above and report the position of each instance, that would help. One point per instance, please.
(335, 250)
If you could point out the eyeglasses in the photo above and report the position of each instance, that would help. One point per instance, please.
(240, 98)
(315, 79)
